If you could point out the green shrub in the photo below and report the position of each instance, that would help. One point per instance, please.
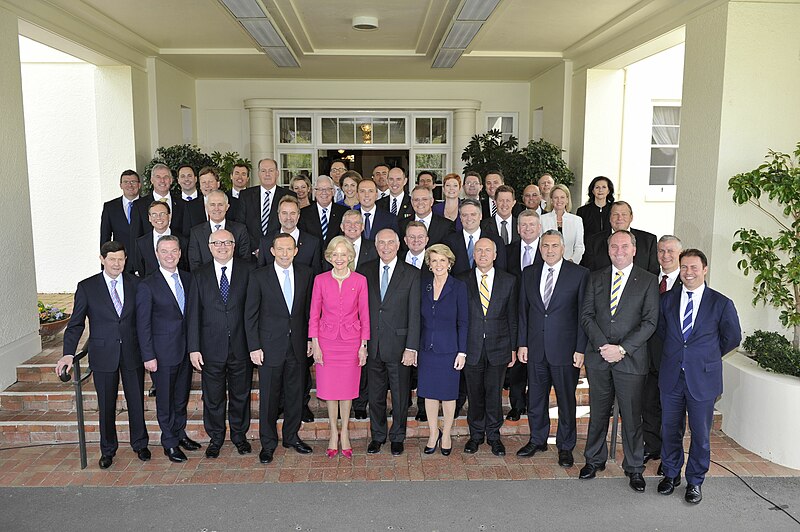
(773, 352)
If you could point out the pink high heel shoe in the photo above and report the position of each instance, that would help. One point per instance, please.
(347, 453)
(331, 453)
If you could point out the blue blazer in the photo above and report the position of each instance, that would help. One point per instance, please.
(445, 322)
(160, 324)
(381, 220)
(716, 332)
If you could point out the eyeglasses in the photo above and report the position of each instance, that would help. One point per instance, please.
(324, 189)
(337, 170)
(222, 243)
(159, 214)
(130, 182)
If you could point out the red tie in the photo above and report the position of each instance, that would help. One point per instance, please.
(662, 286)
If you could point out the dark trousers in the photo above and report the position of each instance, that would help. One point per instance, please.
(517, 383)
(360, 402)
(676, 404)
(604, 386)
(462, 393)
(235, 375)
(285, 379)
(542, 376)
(173, 384)
(106, 383)
(484, 387)
(306, 369)
(651, 414)
(384, 376)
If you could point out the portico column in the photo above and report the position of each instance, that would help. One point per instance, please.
(262, 140)
(463, 131)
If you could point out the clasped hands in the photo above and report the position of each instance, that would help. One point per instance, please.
(611, 353)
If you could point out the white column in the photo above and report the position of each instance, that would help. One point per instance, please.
(463, 131)
(262, 141)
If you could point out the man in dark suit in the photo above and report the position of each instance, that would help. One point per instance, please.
(492, 181)
(428, 179)
(462, 244)
(698, 326)
(144, 259)
(259, 205)
(552, 343)
(473, 186)
(532, 199)
(216, 204)
(161, 179)
(596, 255)
(276, 323)
(217, 343)
(240, 180)
(397, 202)
(115, 220)
(503, 224)
(352, 229)
(187, 179)
(394, 301)
(620, 313)
(380, 176)
(323, 218)
(161, 328)
(108, 299)
(491, 345)
(373, 218)
(309, 252)
(438, 227)
(669, 249)
(414, 242)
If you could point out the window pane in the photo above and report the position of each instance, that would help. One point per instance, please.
(293, 163)
(666, 115)
(508, 125)
(665, 135)
(663, 156)
(287, 130)
(397, 130)
(380, 131)
(438, 130)
(430, 161)
(662, 176)
(422, 130)
(329, 131)
(346, 131)
(494, 122)
(303, 131)
(363, 131)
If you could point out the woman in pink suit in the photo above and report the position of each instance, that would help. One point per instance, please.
(339, 330)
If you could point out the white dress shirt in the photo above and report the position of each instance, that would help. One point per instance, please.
(697, 296)
(156, 236)
(399, 199)
(282, 278)
(489, 278)
(171, 282)
(420, 259)
(426, 220)
(671, 277)
(214, 225)
(357, 247)
(545, 271)
(391, 266)
(626, 273)
(271, 193)
(189, 197)
(534, 250)
(126, 202)
(475, 237)
(120, 291)
(235, 193)
(498, 222)
(218, 271)
(166, 199)
(371, 216)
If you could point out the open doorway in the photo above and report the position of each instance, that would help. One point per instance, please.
(362, 161)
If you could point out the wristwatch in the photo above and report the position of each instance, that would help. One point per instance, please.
(622, 351)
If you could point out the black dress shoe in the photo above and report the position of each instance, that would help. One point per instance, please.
(652, 456)
(397, 448)
(152, 391)
(189, 444)
(498, 449)
(531, 449)
(175, 454)
(590, 471)
(421, 415)
(374, 447)
(660, 470)
(105, 461)
(212, 451)
(265, 456)
(360, 414)
(308, 416)
(243, 447)
(471, 447)
(513, 415)
(693, 493)
(143, 454)
(636, 481)
(300, 446)
(565, 458)
(668, 485)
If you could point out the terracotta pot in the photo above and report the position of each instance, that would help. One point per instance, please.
(52, 328)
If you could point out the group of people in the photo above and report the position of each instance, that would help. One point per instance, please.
(376, 288)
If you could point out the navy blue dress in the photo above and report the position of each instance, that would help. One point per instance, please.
(443, 335)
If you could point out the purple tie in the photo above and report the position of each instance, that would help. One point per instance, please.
(115, 297)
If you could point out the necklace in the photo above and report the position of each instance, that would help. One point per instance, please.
(342, 278)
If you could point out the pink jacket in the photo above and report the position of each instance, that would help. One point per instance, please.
(342, 315)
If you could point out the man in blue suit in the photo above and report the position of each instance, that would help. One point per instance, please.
(373, 217)
(161, 317)
(698, 326)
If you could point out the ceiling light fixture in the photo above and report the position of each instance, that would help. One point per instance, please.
(464, 27)
(256, 22)
(364, 23)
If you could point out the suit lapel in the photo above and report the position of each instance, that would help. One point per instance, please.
(159, 279)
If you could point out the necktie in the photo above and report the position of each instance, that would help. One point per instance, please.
(483, 289)
(548, 288)
(217, 226)
(471, 251)
(662, 286)
(394, 206)
(526, 257)
(189, 198)
(494, 207)
(504, 231)
(384, 281)
(367, 225)
(265, 214)
(324, 223)
(687, 318)
(423, 223)
(414, 261)
(179, 295)
(616, 287)
(128, 211)
(288, 294)
(224, 286)
(115, 298)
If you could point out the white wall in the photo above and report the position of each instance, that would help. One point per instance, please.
(550, 92)
(168, 90)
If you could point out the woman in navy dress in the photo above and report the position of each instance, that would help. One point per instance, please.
(443, 344)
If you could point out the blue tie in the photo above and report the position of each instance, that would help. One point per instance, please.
(287, 290)
(687, 318)
(128, 211)
(367, 225)
(324, 223)
(224, 285)
(179, 295)
(394, 206)
(384, 281)
(471, 251)
(115, 298)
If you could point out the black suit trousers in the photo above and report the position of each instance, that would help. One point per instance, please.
(384, 376)
(541, 377)
(237, 377)
(485, 394)
(360, 402)
(275, 382)
(517, 385)
(173, 384)
(651, 414)
(106, 383)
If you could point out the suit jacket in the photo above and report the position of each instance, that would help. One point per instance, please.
(234, 213)
(339, 315)
(194, 213)
(199, 253)
(655, 346)
(309, 222)
(572, 231)
(161, 326)
(394, 321)
(250, 209)
(496, 332)
(715, 333)
(438, 208)
(514, 253)
(596, 254)
(553, 334)
(140, 221)
(143, 259)
(445, 331)
(114, 223)
(269, 324)
(438, 229)
(112, 339)
(489, 226)
(633, 324)
(216, 328)
(456, 243)
(308, 252)
(404, 209)
(381, 220)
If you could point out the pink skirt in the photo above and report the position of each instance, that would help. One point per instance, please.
(339, 376)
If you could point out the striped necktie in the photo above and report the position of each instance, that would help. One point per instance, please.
(686, 328)
(115, 297)
(394, 206)
(323, 222)
(471, 251)
(494, 207)
(483, 288)
(548, 288)
(265, 214)
(179, 294)
(616, 288)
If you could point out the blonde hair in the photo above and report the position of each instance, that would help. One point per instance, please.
(565, 190)
(442, 250)
(351, 251)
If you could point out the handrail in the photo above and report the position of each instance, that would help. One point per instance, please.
(77, 383)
